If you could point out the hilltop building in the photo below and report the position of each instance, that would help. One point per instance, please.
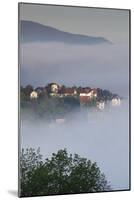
(116, 101)
(69, 92)
(33, 95)
(100, 105)
(86, 94)
(53, 89)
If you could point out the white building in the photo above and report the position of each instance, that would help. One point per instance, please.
(89, 94)
(116, 101)
(54, 88)
(100, 105)
(33, 95)
(92, 93)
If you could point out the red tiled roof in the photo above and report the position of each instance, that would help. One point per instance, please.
(84, 99)
(68, 91)
(85, 90)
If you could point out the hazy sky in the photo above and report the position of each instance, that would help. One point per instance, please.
(109, 23)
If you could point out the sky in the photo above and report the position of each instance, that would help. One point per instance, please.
(104, 66)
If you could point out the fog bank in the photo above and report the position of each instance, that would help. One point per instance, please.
(102, 137)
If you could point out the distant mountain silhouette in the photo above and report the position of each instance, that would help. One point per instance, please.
(35, 32)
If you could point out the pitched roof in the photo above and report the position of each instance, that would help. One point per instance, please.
(68, 91)
(85, 90)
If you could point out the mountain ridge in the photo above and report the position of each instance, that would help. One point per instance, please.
(35, 32)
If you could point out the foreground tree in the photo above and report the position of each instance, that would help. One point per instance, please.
(62, 174)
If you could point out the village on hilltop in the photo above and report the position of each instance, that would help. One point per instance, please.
(84, 94)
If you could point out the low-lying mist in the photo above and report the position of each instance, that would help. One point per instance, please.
(104, 66)
(101, 136)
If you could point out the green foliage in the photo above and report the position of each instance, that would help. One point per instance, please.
(91, 102)
(62, 174)
(50, 107)
(30, 160)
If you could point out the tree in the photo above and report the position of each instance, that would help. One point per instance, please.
(63, 88)
(28, 89)
(91, 102)
(62, 174)
(29, 161)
